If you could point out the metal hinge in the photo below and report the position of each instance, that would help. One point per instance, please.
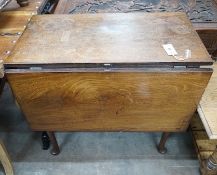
(35, 68)
(180, 67)
(10, 34)
(107, 67)
(206, 66)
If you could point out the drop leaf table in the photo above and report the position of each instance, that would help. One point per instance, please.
(108, 72)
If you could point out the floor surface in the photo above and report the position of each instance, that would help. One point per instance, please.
(114, 153)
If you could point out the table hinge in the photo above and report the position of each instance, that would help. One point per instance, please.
(10, 34)
(35, 68)
(107, 67)
(179, 67)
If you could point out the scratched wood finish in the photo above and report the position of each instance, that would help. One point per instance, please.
(108, 38)
(109, 101)
(203, 14)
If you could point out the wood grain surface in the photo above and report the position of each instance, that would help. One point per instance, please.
(11, 27)
(7, 43)
(108, 38)
(203, 14)
(13, 22)
(109, 101)
(208, 106)
(203, 142)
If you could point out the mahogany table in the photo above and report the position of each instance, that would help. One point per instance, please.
(108, 72)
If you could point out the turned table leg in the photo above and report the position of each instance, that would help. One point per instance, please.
(23, 3)
(209, 167)
(5, 160)
(161, 147)
(55, 147)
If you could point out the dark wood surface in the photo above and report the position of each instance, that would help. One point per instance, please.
(108, 38)
(109, 101)
(209, 38)
(202, 13)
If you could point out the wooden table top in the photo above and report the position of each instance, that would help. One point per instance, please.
(207, 108)
(12, 25)
(108, 38)
(13, 22)
(7, 44)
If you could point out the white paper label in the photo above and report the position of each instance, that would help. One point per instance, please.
(170, 50)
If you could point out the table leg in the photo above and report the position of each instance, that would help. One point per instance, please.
(45, 140)
(161, 147)
(55, 147)
(5, 160)
(23, 3)
(209, 167)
